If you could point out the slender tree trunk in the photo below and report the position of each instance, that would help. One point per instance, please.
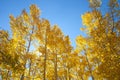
(45, 66)
(89, 67)
(22, 77)
(7, 77)
(28, 48)
(45, 55)
(66, 74)
(56, 66)
(69, 73)
(29, 68)
(34, 73)
(81, 78)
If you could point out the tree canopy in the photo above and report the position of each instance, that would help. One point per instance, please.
(36, 50)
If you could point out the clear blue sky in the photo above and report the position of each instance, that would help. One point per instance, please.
(65, 13)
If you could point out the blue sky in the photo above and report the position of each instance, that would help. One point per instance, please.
(65, 13)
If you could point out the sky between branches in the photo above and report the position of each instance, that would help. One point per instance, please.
(65, 13)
